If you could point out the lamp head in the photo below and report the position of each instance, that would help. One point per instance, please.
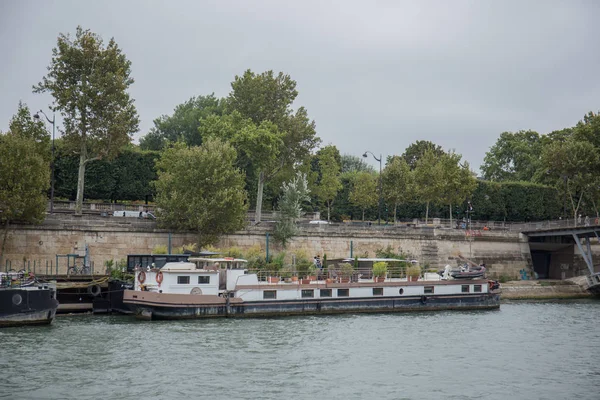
(365, 155)
(36, 116)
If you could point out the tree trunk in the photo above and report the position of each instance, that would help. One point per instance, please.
(328, 211)
(3, 243)
(450, 216)
(363, 215)
(395, 210)
(259, 196)
(81, 177)
(427, 214)
(576, 207)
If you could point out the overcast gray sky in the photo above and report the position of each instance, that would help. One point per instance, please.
(374, 75)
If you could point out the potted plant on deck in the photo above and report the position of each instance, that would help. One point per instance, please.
(379, 271)
(346, 272)
(413, 272)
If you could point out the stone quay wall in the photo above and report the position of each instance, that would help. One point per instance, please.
(112, 238)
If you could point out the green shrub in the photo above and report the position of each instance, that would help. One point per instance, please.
(413, 271)
(380, 269)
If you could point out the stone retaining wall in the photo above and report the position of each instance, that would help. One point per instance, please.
(112, 238)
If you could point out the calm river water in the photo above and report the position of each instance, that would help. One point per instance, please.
(523, 351)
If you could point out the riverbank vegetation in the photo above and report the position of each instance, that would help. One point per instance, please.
(209, 161)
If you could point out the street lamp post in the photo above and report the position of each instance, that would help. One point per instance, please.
(380, 182)
(53, 122)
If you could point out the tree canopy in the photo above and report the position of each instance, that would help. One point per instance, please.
(364, 192)
(265, 99)
(295, 193)
(416, 150)
(200, 189)
(184, 125)
(327, 177)
(514, 157)
(24, 181)
(89, 83)
(397, 183)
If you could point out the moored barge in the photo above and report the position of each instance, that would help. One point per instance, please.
(26, 301)
(205, 287)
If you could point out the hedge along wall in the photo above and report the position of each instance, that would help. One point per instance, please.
(127, 177)
(497, 201)
(516, 201)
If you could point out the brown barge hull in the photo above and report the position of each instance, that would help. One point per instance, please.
(151, 305)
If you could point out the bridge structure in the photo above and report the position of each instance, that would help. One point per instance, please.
(553, 251)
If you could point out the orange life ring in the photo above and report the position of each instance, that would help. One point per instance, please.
(142, 277)
(491, 285)
(159, 277)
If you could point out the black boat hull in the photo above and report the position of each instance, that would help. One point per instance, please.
(27, 306)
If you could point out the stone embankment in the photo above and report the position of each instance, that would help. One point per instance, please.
(545, 290)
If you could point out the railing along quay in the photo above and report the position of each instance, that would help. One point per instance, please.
(271, 217)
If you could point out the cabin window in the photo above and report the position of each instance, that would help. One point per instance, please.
(377, 291)
(477, 288)
(465, 288)
(308, 293)
(428, 290)
(204, 279)
(401, 291)
(325, 292)
(183, 280)
(343, 292)
(269, 294)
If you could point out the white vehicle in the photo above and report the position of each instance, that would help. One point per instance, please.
(318, 222)
(134, 214)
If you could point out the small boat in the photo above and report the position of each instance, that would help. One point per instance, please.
(26, 301)
(467, 272)
(223, 287)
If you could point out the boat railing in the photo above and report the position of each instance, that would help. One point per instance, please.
(333, 274)
(16, 279)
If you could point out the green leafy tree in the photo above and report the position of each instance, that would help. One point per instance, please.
(416, 150)
(24, 181)
(295, 193)
(514, 157)
(351, 163)
(267, 97)
(428, 180)
(328, 182)
(588, 129)
(574, 163)
(199, 189)
(397, 183)
(24, 125)
(184, 125)
(364, 191)
(259, 147)
(457, 180)
(89, 83)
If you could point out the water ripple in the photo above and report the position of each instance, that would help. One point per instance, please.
(523, 351)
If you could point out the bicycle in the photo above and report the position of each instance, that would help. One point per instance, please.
(76, 270)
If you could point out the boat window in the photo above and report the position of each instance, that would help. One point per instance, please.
(428, 289)
(269, 294)
(401, 291)
(183, 280)
(465, 288)
(343, 292)
(325, 292)
(204, 279)
(308, 293)
(377, 291)
(477, 288)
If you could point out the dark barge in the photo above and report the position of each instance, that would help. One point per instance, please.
(24, 300)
